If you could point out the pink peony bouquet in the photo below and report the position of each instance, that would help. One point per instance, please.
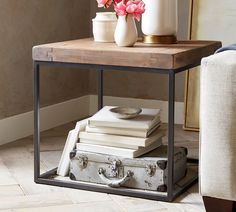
(125, 7)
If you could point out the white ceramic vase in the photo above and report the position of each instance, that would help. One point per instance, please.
(160, 17)
(126, 32)
(104, 25)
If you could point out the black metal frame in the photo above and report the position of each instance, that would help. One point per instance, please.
(47, 178)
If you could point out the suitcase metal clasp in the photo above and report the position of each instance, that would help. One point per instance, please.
(150, 170)
(115, 167)
(83, 161)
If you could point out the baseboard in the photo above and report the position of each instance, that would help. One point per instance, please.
(148, 103)
(20, 126)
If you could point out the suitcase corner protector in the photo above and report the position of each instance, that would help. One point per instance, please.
(72, 176)
(162, 164)
(72, 154)
(162, 188)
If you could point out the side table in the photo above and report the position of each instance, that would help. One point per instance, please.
(85, 53)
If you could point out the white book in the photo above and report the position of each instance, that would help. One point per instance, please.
(145, 120)
(110, 140)
(122, 131)
(104, 143)
(121, 152)
(72, 138)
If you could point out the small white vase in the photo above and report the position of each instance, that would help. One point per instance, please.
(126, 32)
(104, 25)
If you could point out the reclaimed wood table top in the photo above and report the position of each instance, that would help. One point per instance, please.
(161, 56)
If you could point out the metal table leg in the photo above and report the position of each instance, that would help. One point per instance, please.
(100, 89)
(36, 122)
(171, 122)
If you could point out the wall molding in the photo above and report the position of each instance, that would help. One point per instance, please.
(20, 126)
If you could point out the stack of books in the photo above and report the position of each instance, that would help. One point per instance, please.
(130, 138)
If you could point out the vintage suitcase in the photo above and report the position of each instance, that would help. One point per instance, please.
(147, 172)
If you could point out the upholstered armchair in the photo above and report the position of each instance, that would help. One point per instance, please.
(218, 131)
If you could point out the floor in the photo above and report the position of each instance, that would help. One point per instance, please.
(19, 193)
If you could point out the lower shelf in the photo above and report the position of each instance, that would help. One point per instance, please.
(50, 178)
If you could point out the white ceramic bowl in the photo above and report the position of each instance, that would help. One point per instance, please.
(125, 112)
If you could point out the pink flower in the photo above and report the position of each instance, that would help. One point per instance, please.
(120, 8)
(104, 3)
(125, 7)
(117, 1)
(137, 8)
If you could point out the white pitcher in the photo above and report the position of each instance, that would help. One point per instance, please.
(126, 31)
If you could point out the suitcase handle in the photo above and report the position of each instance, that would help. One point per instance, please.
(114, 183)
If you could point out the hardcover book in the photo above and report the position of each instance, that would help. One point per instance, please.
(110, 140)
(72, 138)
(144, 121)
(122, 152)
(105, 143)
(123, 131)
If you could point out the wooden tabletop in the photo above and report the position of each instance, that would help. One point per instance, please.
(86, 51)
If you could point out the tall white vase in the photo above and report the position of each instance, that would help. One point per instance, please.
(160, 18)
(126, 32)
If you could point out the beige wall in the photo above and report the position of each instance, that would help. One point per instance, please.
(140, 85)
(25, 23)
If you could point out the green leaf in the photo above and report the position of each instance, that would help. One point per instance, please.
(126, 17)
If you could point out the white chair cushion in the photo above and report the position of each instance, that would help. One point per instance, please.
(218, 126)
